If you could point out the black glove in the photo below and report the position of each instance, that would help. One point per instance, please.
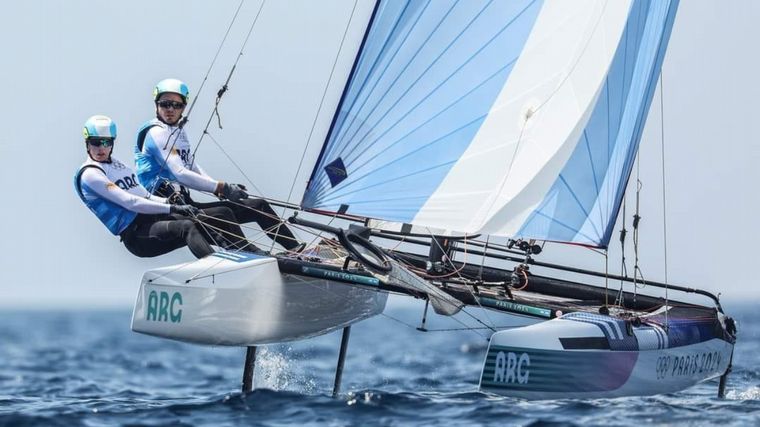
(234, 192)
(176, 198)
(186, 210)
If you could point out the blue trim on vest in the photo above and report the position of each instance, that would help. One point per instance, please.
(113, 216)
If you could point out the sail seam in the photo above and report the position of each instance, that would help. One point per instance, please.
(338, 137)
(342, 140)
(324, 187)
(490, 208)
(413, 83)
(402, 138)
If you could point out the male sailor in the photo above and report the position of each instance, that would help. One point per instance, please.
(164, 158)
(147, 225)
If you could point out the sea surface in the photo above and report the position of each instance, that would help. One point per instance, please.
(69, 368)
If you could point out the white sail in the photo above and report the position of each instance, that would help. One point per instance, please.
(485, 116)
(535, 122)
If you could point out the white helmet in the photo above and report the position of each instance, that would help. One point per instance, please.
(99, 127)
(171, 86)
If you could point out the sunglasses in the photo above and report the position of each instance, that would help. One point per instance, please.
(100, 142)
(171, 104)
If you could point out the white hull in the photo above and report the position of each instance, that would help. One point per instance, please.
(546, 361)
(242, 299)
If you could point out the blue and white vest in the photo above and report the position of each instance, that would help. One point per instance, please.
(150, 154)
(113, 216)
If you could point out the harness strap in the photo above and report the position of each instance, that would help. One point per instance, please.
(142, 135)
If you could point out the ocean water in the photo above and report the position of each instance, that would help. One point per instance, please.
(67, 368)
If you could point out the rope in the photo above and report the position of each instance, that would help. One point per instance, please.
(273, 228)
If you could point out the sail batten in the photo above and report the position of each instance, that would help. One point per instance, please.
(515, 118)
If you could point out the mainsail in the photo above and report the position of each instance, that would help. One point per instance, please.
(513, 118)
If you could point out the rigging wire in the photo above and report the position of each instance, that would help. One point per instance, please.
(321, 103)
(467, 328)
(185, 119)
(483, 258)
(623, 234)
(636, 219)
(234, 163)
(319, 109)
(664, 210)
(224, 88)
(469, 288)
(457, 273)
(213, 61)
(623, 268)
(606, 278)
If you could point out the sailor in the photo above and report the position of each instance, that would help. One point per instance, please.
(167, 168)
(147, 224)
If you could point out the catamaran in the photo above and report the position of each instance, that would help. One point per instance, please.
(469, 136)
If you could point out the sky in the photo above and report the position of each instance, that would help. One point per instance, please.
(65, 61)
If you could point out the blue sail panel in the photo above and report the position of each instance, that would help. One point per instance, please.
(582, 205)
(423, 84)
